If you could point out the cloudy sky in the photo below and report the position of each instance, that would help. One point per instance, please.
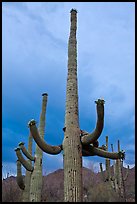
(34, 60)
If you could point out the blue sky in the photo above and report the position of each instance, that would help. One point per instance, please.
(34, 60)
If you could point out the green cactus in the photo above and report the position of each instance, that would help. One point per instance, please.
(116, 180)
(25, 152)
(76, 143)
(26, 189)
(36, 178)
(120, 177)
(24, 162)
(19, 177)
(90, 138)
(35, 185)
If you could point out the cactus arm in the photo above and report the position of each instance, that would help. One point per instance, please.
(90, 150)
(112, 148)
(86, 150)
(40, 142)
(90, 138)
(102, 173)
(19, 177)
(106, 154)
(25, 152)
(108, 176)
(26, 164)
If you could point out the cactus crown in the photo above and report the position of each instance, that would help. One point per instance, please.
(31, 122)
(73, 10)
(100, 101)
(21, 143)
(44, 94)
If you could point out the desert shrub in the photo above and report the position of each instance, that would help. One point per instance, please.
(102, 192)
(10, 191)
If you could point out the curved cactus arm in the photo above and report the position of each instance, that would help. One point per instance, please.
(86, 150)
(106, 154)
(25, 163)
(19, 177)
(90, 138)
(40, 142)
(90, 150)
(127, 172)
(25, 151)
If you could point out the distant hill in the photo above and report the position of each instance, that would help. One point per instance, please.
(94, 189)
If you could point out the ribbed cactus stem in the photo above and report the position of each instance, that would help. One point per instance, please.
(102, 172)
(106, 143)
(118, 146)
(90, 138)
(25, 152)
(40, 141)
(108, 169)
(25, 163)
(119, 167)
(127, 173)
(71, 144)
(38, 135)
(26, 192)
(19, 177)
(107, 162)
(115, 172)
(112, 148)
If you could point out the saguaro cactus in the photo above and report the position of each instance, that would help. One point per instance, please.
(107, 163)
(36, 178)
(108, 177)
(36, 170)
(25, 186)
(76, 143)
(121, 179)
(71, 145)
(28, 154)
(116, 178)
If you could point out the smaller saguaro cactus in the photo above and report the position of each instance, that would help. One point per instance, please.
(116, 179)
(36, 178)
(35, 181)
(120, 177)
(24, 185)
(108, 176)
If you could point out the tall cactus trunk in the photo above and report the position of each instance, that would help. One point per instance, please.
(107, 162)
(71, 144)
(36, 178)
(115, 173)
(26, 192)
(120, 180)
